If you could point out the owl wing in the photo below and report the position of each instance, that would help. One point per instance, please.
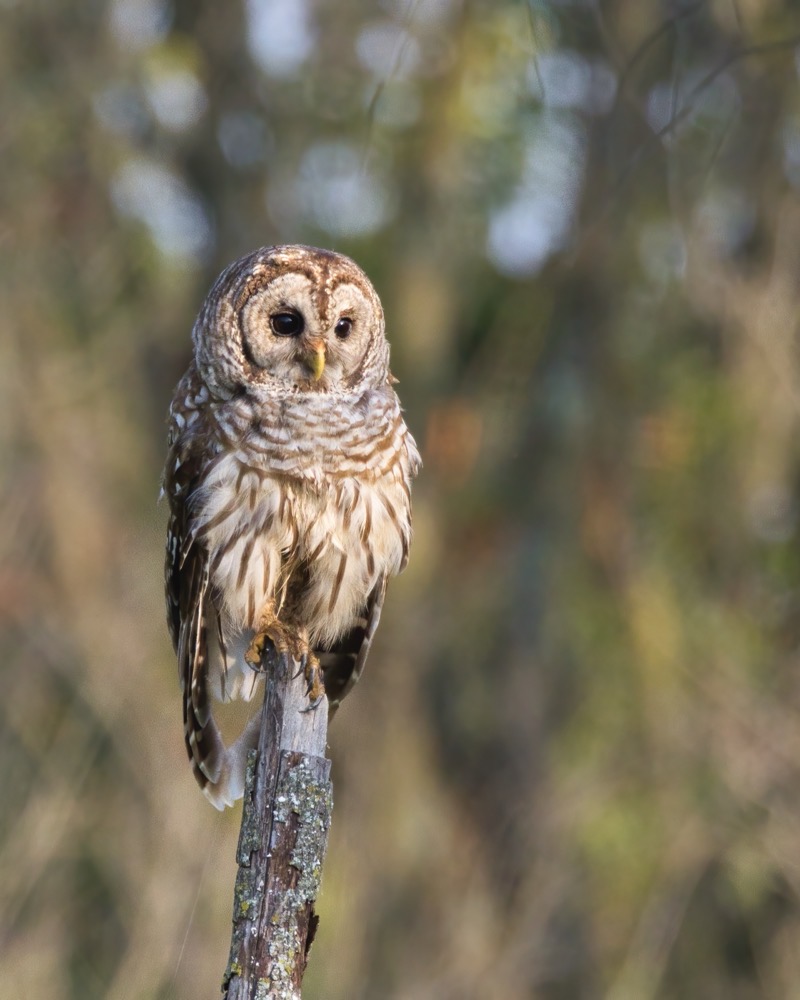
(189, 602)
(343, 661)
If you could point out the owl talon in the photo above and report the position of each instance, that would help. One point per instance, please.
(315, 689)
(301, 661)
(314, 705)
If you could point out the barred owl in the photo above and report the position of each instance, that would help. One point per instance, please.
(288, 478)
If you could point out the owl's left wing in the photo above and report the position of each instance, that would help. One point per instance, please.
(343, 661)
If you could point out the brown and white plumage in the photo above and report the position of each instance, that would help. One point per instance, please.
(288, 477)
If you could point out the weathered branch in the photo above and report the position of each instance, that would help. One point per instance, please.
(285, 821)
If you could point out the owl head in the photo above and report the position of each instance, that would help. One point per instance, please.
(289, 319)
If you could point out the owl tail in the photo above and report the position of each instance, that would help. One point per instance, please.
(218, 769)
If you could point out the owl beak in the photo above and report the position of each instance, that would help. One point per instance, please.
(314, 357)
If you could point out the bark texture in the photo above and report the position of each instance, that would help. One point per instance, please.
(286, 817)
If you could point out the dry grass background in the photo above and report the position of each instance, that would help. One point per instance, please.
(573, 766)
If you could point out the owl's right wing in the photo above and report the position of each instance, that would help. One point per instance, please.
(190, 608)
(343, 661)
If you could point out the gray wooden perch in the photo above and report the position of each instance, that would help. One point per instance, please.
(286, 816)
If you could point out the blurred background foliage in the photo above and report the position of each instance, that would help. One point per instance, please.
(573, 766)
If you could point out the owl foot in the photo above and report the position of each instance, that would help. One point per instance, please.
(271, 632)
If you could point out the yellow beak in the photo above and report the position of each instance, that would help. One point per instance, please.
(314, 357)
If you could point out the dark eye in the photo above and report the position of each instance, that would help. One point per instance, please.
(343, 328)
(286, 324)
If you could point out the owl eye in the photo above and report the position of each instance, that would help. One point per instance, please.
(343, 328)
(286, 324)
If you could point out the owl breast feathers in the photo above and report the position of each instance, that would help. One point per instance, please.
(288, 477)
